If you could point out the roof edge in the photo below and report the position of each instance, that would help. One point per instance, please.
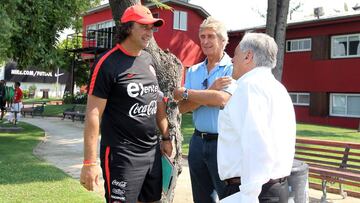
(97, 9)
(312, 22)
(200, 9)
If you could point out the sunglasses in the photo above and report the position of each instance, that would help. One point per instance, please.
(205, 83)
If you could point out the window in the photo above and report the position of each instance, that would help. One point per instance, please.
(344, 46)
(104, 35)
(155, 15)
(90, 32)
(347, 105)
(180, 20)
(297, 45)
(300, 99)
(101, 32)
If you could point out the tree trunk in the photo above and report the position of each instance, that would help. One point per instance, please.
(118, 7)
(168, 69)
(276, 28)
(271, 18)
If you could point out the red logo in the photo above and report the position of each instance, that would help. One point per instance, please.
(130, 75)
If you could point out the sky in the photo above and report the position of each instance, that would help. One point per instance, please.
(240, 14)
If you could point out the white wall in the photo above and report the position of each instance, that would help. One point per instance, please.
(54, 92)
(2, 70)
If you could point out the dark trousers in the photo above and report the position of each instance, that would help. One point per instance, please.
(205, 181)
(270, 192)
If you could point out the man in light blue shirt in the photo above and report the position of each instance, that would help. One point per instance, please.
(208, 86)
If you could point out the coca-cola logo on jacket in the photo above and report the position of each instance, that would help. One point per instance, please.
(143, 110)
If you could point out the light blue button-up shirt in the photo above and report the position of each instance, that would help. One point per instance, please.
(205, 118)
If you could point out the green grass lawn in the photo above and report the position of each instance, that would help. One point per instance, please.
(25, 178)
(40, 100)
(328, 133)
(50, 110)
(56, 110)
(187, 129)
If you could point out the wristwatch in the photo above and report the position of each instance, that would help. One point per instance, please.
(185, 94)
(168, 138)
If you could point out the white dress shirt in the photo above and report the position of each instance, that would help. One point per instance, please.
(257, 131)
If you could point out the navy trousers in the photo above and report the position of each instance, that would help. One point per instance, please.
(205, 181)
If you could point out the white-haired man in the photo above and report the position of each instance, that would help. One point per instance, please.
(202, 96)
(257, 127)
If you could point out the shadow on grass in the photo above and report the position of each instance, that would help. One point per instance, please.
(32, 171)
(17, 162)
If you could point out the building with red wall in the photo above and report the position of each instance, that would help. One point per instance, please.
(322, 60)
(179, 34)
(321, 69)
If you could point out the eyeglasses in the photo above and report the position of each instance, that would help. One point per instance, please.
(205, 83)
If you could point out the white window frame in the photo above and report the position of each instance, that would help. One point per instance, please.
(92, 27)
(180, 20)
(100, 25)
(346, 113)
(297, 94)
(298, 41)
(347, 51)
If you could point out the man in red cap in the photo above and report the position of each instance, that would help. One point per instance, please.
(124, 94)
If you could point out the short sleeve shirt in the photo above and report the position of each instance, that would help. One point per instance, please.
(18, 95)
(130, 86)
(205, 118)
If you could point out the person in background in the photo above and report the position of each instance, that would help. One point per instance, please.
(207, 89)
(125, 102)
(2, 98)
(16, 106)
(257, 127)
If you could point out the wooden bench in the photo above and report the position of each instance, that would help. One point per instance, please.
(77, 111)
(331, 162)
(36, 109)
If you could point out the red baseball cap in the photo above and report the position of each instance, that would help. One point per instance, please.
(140, 14)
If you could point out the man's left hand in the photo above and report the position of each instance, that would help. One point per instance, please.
(166, 147)
(221, 83)
(178, 93)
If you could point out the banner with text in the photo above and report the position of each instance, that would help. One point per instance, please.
(31, 75)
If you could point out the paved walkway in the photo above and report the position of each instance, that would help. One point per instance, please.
(63, 147)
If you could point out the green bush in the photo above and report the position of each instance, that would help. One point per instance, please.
(26, 94)
(31, 91)
(68, 98)
(78, 98)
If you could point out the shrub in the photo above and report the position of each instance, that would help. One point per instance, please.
(68, 98)
(32, 90)
(25, 94)
(80, 98)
